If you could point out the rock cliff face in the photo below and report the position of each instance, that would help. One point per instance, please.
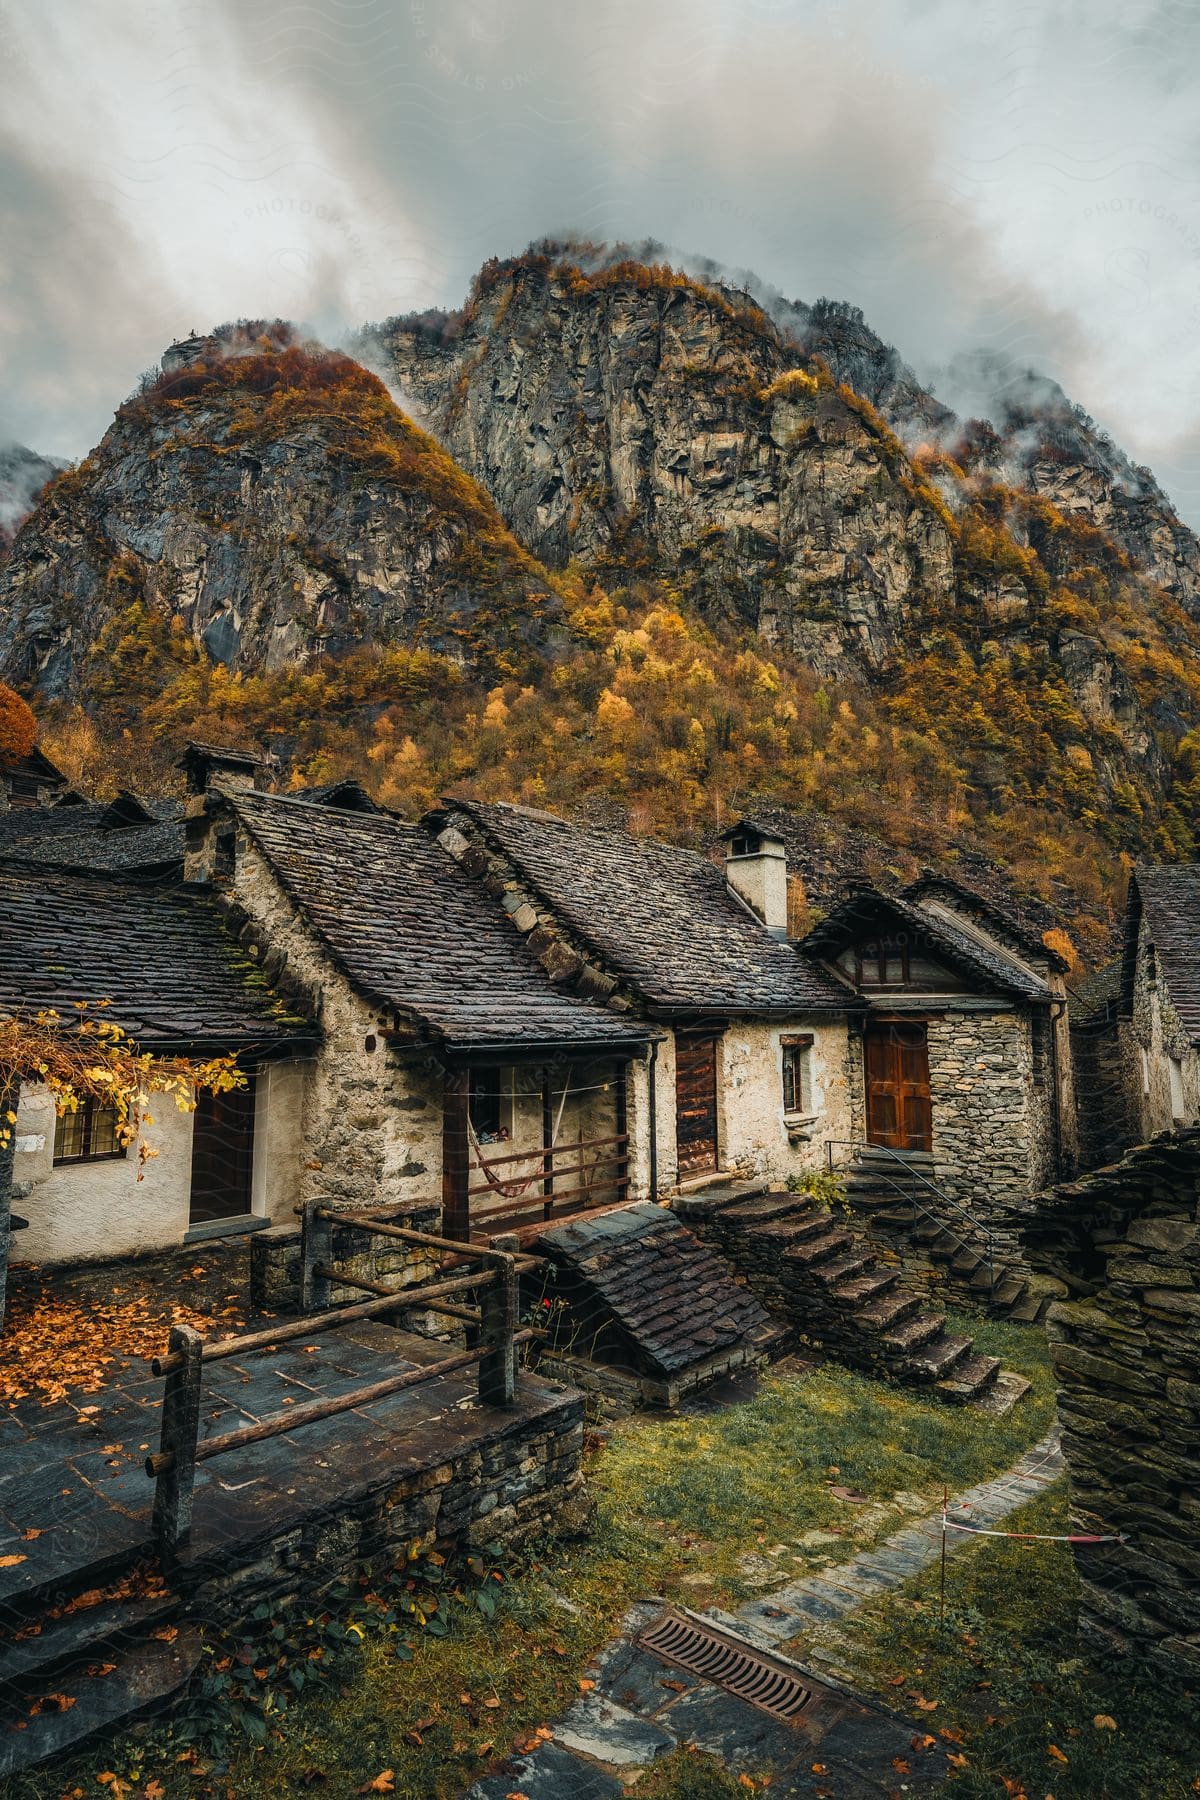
(639, 411)
(274, 501)
(633, 418)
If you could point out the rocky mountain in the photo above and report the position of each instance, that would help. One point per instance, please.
(23, 475)
(634, 413)
(269, 499)
(631, 418)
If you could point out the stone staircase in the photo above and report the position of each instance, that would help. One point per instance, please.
(86, 1654)
(900, 1210)
(840, 1295)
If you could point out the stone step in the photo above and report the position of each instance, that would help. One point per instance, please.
(970, 1377)
(1001, 1395)
(815, 1249)
(1028, 1311)
(965, 1263)
(889, 1312)
(915, 1332)
(934, 1360)
(872, 1285)
(844, 1268)
(75, 1638)
(1008, 1291)
(795, 1230)
(983, 1279)
(758, 1211)
(898, 1219)
(143, 1677)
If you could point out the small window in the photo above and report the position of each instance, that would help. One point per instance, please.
(89, 1134)
(486, 1106)
(1178, 1107)
(1145, 1071)
(797, 1075)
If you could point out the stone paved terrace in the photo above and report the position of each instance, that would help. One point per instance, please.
(276, 1518)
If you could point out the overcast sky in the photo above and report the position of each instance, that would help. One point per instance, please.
(1009, 174)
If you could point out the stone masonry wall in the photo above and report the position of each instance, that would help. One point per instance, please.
(1126, 1352)
(991, 1127)
(523, 1480)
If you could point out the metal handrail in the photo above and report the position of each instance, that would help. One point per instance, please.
(977, 1225)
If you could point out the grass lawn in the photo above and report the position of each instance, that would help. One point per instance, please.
(705, 1509)
(1025, 1712)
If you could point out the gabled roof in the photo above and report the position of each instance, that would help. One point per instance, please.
(984, 965)
(36, 765)
(660, 918)
(1168, 897)
(1004, 919)
(173, 974)
(410, 931)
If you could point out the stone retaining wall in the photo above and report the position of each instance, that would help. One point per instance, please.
(275, 1262)
(522, 1479)
(1126, 1351)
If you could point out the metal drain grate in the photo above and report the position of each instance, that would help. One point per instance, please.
(754, 1677)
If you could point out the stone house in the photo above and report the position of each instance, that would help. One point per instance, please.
(752, 1071)
(1158, 1025)
(449, 1070)
(30, 781)
(962, 1063)
(177, 982)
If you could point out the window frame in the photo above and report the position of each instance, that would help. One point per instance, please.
(796, 1073)
(87, 1113)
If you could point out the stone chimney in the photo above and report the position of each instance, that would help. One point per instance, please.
(210, 852)
(756, 870)
(204, 763)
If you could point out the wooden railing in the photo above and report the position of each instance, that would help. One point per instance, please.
(492, 1323)
(533, 1192)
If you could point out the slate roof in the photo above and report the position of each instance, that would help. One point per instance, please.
(945, 939)
(163, 958)
(407, 928)
(660, 917)
(673, 1301)
(1168, 896)
(96, 837)
(1096, 999)
(990, 909)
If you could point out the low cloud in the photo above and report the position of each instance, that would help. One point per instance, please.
(1026, 185)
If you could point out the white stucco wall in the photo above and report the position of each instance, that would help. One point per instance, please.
(94, 1210)
(753, 1135)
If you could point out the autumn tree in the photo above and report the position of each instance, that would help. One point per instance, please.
(89, 1057)
(18, 728)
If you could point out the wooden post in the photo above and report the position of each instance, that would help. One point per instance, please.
(9, 1097)
(177, 1440)
(316, 1253)
(623, 1128)
(456, 1156)
(547, 1148)
(498, 1306)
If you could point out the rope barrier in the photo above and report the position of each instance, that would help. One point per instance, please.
(1041, 1537)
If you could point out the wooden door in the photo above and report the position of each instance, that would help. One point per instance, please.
(899, 1110)
(222, 1154)
(696, 1103)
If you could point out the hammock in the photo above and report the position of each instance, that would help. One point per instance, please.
(515, 1186)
